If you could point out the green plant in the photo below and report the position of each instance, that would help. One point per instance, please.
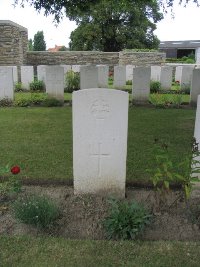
(158, 100)
(22, 102)
(52, 102)
(37, 86)
(129, 82)
(36, 210)
(6, 102)
(11, 183)
(126, 220)
(19, 87)
(177, 99)
(166, 173)
(72, 81)
(155, 86)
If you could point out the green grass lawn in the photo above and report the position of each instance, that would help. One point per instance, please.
(40, 140)
(41, 252)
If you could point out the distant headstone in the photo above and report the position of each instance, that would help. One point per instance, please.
(15, 74)
(6, 83)
(100, 123)
(41, 73)
(162, 74)
(155, 73)
(119, 76)
(27, 76)
(103, 76)
(55, 81)
(184, 76)
(141, 84)
(88, 77)
(76, 68)
(129, 72)
(195, 87)
(66, 68)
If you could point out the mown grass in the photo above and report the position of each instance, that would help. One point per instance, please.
(40, 140)
(26, 251)
(27, 95)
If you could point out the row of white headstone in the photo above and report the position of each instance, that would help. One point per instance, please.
(97, 77)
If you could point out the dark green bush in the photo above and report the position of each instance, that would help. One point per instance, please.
(37, 86)
(155, 86)
(72, 81)
(5, 102)
(129, 82)
(52, 102)
(36, 210)
(126, 220)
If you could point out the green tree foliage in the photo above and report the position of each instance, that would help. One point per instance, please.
(60, 7)
(30, 45)
(116, 25)
(39, 43)
(63, 48)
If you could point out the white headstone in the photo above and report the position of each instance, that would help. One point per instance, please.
(119, 76)
(162, 74)
(66, 68)
(166, 77)
(55, 81)
(15, 74)
(88, 77)
(197, 132)
(184, 75)
(6, 83)
(41, 73)
(27, 76)
(195, 87)
(141, 84)
(197, 55)
(155, 73)
(129, 72)
(76, 68)
(100, 123)
(103, 76)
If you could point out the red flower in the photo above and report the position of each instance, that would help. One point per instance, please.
(15, 169)
(177, 82)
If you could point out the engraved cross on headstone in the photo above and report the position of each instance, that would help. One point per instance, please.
(99, 156)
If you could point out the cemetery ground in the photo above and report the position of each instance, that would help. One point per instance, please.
(39, 140)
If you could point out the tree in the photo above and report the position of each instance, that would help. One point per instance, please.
(30, 45)
(63, 48)
(116, 25)
(39, 43)
(58, 7)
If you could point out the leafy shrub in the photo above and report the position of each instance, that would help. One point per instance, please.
(126, 220)
(72, 81)
(19, 87)
(34, 99)
(36, 210)
(155, 86)
(129, 82)
(52, 102)
(37, 86)
(6, 102)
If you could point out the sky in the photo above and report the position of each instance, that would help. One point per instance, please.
(185, 25)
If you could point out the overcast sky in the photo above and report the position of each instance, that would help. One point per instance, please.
(185, 25)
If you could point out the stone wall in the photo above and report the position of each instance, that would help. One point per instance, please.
(95, 57)
(141, 58)
(13, 43)
(14, 51)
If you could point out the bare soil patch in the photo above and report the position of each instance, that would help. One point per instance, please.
(81, 216)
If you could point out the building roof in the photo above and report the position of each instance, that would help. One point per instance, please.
(180, 44)
(55, 49)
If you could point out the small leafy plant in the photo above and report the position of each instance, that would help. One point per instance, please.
(39, 211)
(155, 86)
(37, 86)
(72, 81)
(126, 220)
(168, 173)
